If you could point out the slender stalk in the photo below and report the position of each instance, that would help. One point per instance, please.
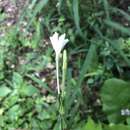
(57, 73)
(64, 68)
(62, 124)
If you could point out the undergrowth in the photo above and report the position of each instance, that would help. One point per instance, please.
(97, 72)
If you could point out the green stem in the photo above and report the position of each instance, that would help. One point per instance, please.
(64, 68)
(60, 98)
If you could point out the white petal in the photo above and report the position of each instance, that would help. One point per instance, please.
(56, 35)
(58, 42)
(54, 40)
(66, 41)
(62, 44)
(62, 41)
(62, 37)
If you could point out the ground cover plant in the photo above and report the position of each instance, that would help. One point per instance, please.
(91, 88)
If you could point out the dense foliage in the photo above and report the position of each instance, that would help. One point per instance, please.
(94, 70)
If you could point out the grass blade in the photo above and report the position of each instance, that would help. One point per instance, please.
(118, 27)
(76, 15)
(37, 9)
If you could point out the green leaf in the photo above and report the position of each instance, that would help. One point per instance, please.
(91, 125)
(17, 80)
(115, 97)
(118, 27)
(76, 15)
(1, 59)
(4, 91)
(39, 6)
(114, 46)
(28, 90)
(128, 120)
(2, 121)
(44, 115)
(40, 83)
(88, 63)
(14, 112)
(106, 7)
(117, 127)
(58, 125)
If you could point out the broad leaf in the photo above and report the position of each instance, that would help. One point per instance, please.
(115, 95)
(4, 91)
(91, 125)
(117, 127)
(14, 112)
(17, 80)
(28, 90)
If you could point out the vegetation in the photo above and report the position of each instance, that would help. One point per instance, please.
(94, 68)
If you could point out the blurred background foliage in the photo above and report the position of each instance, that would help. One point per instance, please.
(97, 73)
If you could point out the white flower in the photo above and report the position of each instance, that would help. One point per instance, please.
(58, 42)
(125, 112)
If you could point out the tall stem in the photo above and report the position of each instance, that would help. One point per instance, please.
(57, 73)
(64, 69)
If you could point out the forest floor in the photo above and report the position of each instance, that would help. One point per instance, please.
(10, 11)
